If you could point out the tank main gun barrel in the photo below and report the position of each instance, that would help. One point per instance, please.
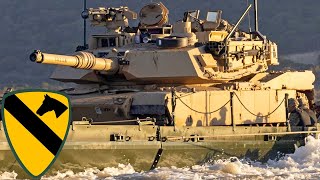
(81, 60)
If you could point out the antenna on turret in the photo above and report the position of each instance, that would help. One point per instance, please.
(85, 15)
(256, 25)
(249, 19)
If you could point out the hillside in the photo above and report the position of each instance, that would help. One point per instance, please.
(56, 27)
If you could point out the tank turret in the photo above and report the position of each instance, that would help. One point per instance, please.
(191, 51)
(177, 73)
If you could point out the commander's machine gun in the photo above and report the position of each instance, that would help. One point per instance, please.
(113, 19)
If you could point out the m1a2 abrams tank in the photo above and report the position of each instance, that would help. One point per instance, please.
(177, 94)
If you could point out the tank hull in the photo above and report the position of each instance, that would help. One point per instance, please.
(80, 153)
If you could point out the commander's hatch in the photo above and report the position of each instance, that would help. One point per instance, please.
(154, 15)
(154, 19)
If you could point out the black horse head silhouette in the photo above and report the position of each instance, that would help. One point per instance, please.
(50, 104)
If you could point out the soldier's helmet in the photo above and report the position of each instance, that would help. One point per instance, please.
(292, 104)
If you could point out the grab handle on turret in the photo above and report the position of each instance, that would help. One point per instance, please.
(81, 60)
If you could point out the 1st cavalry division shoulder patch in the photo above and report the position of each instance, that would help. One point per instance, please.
(36, 124)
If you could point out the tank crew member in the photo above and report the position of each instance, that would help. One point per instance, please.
(304, 105)
(294, 117)
(297, 117)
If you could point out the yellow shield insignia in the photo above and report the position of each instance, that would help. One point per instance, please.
(36, 124)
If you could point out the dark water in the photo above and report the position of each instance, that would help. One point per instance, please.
(303, 164)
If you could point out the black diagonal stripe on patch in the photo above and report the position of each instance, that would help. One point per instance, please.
(32, 123)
